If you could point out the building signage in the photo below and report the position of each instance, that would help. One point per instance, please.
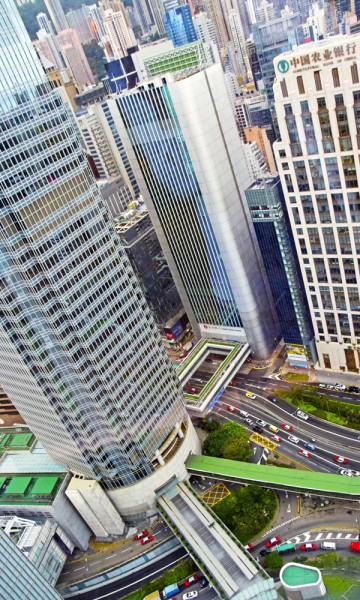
(230, 333)
(319, 58)
(218, 395)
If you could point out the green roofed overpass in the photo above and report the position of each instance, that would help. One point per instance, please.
(321, 484)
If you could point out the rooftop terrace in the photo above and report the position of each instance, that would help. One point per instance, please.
(16, 439)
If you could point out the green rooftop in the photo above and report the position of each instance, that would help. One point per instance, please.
(17, 486)
(304, 481)
(44, 486)
(15, 439)
(296, 575)
(30, 489)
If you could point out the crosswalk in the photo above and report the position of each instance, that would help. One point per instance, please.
(313, 536)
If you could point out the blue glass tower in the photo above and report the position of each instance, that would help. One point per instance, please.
(179, 25)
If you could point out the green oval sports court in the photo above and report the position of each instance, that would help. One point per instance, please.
(321, 484)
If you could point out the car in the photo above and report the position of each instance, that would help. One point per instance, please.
(258, 429)
(322, 385)
(190, 595)
(305, 453)
(147, 539)
(276, 438)
(330, 387)
(354, 388)
(308, 546)
(193, 390)
(193, 579)
(204, 582)
(264, 552)
(231, 408)
(349, 473)
(272, 542)
(309, 446)
(250, 395)
(286, 427)
(273, 399)
(293, 439)
(302, 415)
(260, 422)
(341, 459)
(142, 534)
(249, 421)
(183, 355)
(232, 382)
(249, 547)
(340, 386)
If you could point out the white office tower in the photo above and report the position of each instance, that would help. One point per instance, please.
(317, 101)
(80, 354)
(255, 161)
(57, 14)
(120, 35)
(44, 23)
(204, 28)
(182, 141)
(97, 144)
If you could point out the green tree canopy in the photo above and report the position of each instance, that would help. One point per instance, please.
(217, 441)
(237, 449)
(273, 560)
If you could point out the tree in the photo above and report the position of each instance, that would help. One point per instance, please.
(273, 560)
(217, 441)
(237, 449)
(211, 424)
(330, 560)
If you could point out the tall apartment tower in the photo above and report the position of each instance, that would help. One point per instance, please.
(182, 141)
(75, 58)
(216, 12)
(79, 20)
(57, 15)
(80, 354)
(317, 101)
(44, 23)
(120, 34)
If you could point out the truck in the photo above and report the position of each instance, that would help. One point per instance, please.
(170, 591)
(187, 347)
(153, 596)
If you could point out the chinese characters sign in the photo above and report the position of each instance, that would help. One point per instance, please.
(319, 58)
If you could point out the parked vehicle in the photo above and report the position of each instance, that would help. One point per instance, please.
(272, 541)
(170, 591)
(328, 545)
(193, 579)
(285, 549)
(190, 595)
(306, 547)
(355, 546)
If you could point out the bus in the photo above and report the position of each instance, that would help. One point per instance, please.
(285, 548)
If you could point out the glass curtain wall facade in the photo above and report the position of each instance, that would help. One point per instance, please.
(80, 354)
(179, 25)
(154, 130)
(267, 207)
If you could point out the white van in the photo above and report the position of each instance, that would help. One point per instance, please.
(328, 545)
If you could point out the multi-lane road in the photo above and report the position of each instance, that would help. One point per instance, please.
(330, 439)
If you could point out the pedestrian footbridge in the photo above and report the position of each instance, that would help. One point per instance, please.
(232, 571)
(291, 480)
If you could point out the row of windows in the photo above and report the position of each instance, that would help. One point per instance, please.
(318, 81)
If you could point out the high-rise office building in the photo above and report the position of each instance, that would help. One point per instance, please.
(238, 38)
(44, 23)
(272, 38)
(19, 578)
(217, 14)
(57, 15)
(97, 144)
(121, 36)
(79, 20)
(317, 101)
(182, 141)
(75, 58)
(96, 22)
(267, 208)
(80, 354)
(204, 28)
(179, 25)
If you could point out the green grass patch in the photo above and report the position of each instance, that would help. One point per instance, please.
(180, 572)
(307, 398)
(338, 585)
(296, 377)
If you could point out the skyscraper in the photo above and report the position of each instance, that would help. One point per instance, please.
(44, 23)
(80, 355)
(216, 13)
(57, 14)
(79, 20)
(75, 58)
(19, 578)
(179, 25)
(317, 100)
(120, 34)
(181, 138)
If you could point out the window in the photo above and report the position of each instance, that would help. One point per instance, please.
(354, 73)
(300, 84)
(317, 79)
(327, 363)
(336, 78)
(284, 88)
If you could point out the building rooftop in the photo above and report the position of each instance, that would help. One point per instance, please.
(16, 439)
(264, 183)
(298, 575)
(30, 489)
